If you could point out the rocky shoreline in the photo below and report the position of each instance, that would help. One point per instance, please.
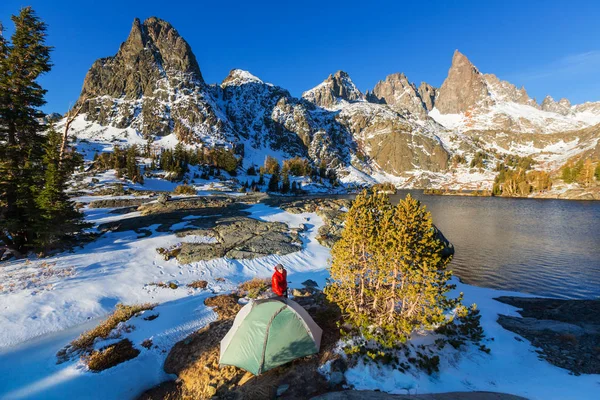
(567, 332)
(569, 194)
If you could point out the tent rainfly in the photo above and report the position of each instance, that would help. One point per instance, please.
(268, 333)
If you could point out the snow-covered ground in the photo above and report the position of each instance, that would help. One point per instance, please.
(40, 314)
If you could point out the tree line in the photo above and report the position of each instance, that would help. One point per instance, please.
(279, 180)
(582, 172)
(35, 211)
(174, 162)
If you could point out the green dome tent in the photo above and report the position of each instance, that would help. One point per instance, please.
(268, 333)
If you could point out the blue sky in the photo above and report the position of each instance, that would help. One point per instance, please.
(550, 47)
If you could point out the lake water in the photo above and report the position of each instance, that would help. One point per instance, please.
(544, 247)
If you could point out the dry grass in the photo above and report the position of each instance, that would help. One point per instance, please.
(170, 252)
(121, 314)
(255, 287)
(184, 189)
(169, 285)
(112, 355)
(198, 285)
(226, 306)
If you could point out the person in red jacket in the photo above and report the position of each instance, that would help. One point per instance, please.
(279, 281)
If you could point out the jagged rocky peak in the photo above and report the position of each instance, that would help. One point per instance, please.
(154, 85)
(464, 87)
(153, 51)
(506, 91)
(563, 106)
(333, 90)
(398, 92)
(240, 77)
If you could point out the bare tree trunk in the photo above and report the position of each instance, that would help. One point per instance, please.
(71, 115)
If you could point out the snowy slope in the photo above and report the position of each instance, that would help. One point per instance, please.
(117, 267)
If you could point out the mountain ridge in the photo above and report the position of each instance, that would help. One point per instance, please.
(397, 131)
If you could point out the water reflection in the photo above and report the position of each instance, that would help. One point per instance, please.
(543, 247)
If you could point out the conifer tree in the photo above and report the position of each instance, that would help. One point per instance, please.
(59, 218)
(566, 174)
(22, 62)
(597, 172)
(133, 171)
(388, 275)
(285, 182)
(274, 183)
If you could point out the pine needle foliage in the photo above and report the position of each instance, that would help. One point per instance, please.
(388, 275)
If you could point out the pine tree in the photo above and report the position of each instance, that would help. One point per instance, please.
(274, 183)
(59, 218)
(387, 270)
(22, 62)
(567, 175)
(285, 182)
(597, 172)
(133, 171)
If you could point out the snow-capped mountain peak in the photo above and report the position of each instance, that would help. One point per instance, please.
(333, 91)
(241, 77)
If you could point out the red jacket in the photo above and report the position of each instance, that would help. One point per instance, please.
(279, 282)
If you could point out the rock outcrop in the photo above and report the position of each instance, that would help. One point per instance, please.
(240, 238)
(428, 94)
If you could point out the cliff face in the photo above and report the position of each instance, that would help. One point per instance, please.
(401, 94)
(464, 87)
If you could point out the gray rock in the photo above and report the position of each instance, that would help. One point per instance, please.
(163, 198)
(240, 238)
(539, 325)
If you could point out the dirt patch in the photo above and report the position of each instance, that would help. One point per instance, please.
(112, 355)
(566, 331)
